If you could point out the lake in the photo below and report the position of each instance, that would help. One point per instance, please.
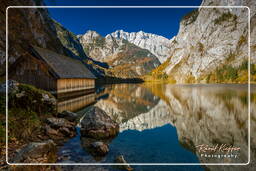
(165, 123)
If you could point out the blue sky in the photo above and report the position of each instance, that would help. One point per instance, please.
(159, 21)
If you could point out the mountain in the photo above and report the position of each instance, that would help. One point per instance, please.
(212, 45)
(125, 59)
(69, 41)
(157, 45)
(74, 49)
(26, 27)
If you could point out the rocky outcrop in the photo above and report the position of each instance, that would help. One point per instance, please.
(98, 125)
(211, 40)
(37, 152)
(157, 45)
(70, 116)
(29, 97)
(62, 126)
(125, 59)
(69, 41)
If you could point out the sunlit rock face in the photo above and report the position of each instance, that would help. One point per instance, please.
(158, 45)
(125, 59)
(209, 38)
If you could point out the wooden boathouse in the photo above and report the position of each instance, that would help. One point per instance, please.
(50, 71)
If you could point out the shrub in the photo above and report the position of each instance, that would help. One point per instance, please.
(190, 17)
(231, 73)
(200, 47)
(31, 100)
(225, 17)
(241, 40)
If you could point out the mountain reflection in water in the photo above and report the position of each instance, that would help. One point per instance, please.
(163, 123)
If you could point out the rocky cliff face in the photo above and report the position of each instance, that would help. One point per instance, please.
(212, 40)
(69, 41)
(157, 45)
(26, 26)
(125, 59)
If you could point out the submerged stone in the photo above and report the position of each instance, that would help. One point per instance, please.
(120, 159)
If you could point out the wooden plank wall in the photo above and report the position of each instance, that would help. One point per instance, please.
(74, 84)
(35, 73)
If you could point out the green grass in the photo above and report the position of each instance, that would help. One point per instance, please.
(23, 124)
(26, 113)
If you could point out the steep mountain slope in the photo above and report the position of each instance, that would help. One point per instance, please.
(212, 45)
(69, 41)
(74, 49)
(125, 59)
(157, 45)
(35, 27)
(26, 26)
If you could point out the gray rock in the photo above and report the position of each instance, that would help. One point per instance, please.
(50, 100)
(68, 115)
(97, 124)
(58, 122)
(35, 151)
(12, 86)
(50, 131)
(99, 148)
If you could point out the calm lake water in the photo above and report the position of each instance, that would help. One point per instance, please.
(168, 123)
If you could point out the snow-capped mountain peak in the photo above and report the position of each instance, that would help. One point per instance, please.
(156, 44)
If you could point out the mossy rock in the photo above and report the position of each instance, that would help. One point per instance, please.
(30, 98)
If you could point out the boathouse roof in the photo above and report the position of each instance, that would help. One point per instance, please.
(63, 66)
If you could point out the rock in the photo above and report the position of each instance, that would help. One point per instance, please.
(70, 116)
(121, 52)
(59, 128)
(35, 151)
(58, 122)
(47, 98)
(21, 94)
(67, 132)
(120, 159)
(12, 86)
(50, 131)
(207, 40)
(97, 124)
(99, 148)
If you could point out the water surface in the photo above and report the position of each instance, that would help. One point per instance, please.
(166, 123)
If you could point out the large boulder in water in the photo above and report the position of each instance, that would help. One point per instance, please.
(98, 125)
